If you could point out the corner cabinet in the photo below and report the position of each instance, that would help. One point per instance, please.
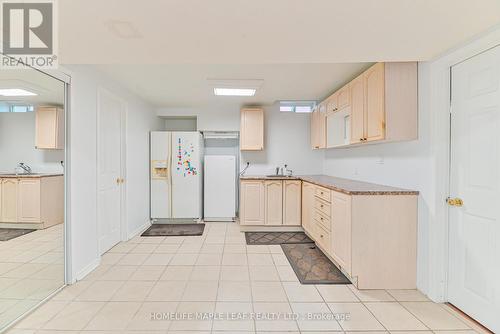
(49, 128)
(252, 129)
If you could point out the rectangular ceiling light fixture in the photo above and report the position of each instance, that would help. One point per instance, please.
(235, 87)
(15, 92)
(234, 91)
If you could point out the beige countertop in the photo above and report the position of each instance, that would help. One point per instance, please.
(346, 186)
(34, 175)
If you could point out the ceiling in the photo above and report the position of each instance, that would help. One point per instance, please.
(263, 31)
(187, 85)
(48, 89)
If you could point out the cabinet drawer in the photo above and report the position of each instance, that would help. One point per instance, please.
(321, 219)
(323, 193)
(322, 206)
(323, 238)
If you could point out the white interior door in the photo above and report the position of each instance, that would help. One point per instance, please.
(111, 113)
(474, 227)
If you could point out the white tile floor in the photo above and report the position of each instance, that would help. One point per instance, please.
(31, 268)
(218, 273)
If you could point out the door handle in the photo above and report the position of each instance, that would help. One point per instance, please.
(455, 201)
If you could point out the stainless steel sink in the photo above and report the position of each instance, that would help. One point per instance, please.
(279, 176)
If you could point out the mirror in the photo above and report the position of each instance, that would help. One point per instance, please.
(31, 190)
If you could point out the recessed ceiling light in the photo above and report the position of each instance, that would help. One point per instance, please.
(123, 29)
(234, 91)
(16, 92)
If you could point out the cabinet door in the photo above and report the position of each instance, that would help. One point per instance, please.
(292, 203)
(343, 97)
(341, 230)
(357, 110)
(9, 200)
(28, 200)
(252, 129)
(321, 128)
(252, 203)
(332, 104)
(314, 126)
(49, 128)
(274, 202)
(375, 102)
(308, 190)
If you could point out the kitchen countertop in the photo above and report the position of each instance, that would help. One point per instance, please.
(346, 186)
(34, 175)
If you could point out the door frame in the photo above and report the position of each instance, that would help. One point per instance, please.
(436, 75)
(123, 163)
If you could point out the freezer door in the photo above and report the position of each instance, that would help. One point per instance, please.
(160, 172)
(186, 175)
(220, 187)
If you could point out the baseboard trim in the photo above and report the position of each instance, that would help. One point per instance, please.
(139, 230)
(87, 270)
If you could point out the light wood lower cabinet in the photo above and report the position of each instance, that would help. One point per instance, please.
(9, 200)
(270, 202)
(371, 238)
(32, 200)
(292, 198)
(308, 190)
(274, 202)
(252, 203)
(341, 230)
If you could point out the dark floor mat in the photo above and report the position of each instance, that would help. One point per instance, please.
(165, 230)
(11, 233)
(312, 266)
(276, 238)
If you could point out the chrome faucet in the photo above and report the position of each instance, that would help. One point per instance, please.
(26, 168)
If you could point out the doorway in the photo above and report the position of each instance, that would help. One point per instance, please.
(111, 119)
(474, 211)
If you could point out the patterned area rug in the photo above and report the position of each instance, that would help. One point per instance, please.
(162, 230)
(11, 233)
(276, 238)
(312, 266)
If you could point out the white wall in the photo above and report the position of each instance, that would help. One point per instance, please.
(141, 118)
(405, 164)
(287, 138)
(287, 141)
(17, 144)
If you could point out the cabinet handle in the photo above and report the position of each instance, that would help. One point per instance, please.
(321, 235)
(321, 205)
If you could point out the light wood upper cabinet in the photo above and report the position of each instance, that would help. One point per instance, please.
(252, 129)
(9, 200)
(357, 110)
(308, 190)
(341, 230)
(252, 203)
(49, 128)
(292, 203)
(29, 200)
(374, 102)
(380, 105)
(344, 97)
(318, 127)
(274, 202)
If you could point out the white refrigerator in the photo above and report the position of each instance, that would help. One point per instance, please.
(220, 188)
(176, 175)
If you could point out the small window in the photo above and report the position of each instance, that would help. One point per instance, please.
(297, 106)
(6, 107)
